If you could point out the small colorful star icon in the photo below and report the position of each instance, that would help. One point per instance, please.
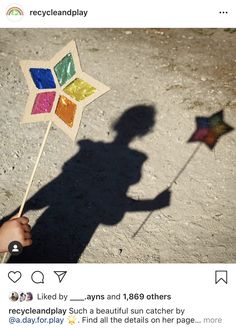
(72, 319)
(210, 129)
(59, 90)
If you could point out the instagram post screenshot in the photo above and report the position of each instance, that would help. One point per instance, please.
(117, 164)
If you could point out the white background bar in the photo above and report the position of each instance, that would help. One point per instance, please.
(123, 13)
(190, 287)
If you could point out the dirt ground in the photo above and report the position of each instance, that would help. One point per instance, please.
(183, 73)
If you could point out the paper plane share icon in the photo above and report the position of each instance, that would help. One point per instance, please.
(60, 275)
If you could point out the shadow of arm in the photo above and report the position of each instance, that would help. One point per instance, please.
(36, 202)
(160, 201)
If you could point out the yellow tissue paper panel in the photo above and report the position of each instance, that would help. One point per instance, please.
(79, 89)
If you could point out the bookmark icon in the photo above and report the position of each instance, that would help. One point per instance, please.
(221, 275)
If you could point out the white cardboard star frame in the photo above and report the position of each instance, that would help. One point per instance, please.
(100, 89)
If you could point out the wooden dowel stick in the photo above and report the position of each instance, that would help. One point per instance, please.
(34, 170)
(31, 178)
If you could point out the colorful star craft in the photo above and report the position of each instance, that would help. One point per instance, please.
(59, 90)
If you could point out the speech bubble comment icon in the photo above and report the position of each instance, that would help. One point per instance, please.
(37, 277)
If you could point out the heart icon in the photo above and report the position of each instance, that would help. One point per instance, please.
(14, 276)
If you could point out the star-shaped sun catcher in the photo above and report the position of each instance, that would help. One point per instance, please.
(59, 90)
(210, 129)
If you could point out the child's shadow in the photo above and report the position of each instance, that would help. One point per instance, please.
(91, 190)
